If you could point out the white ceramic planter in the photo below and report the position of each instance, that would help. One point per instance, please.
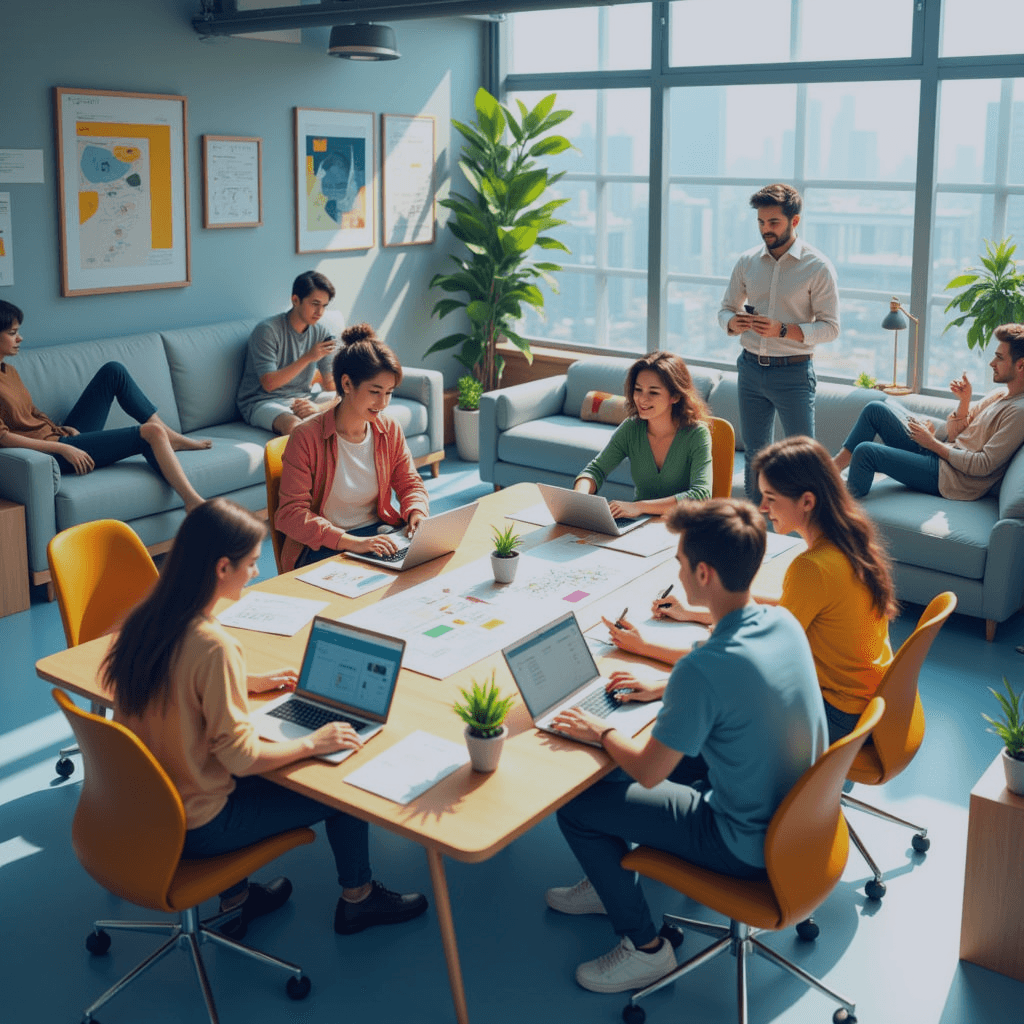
(1014, 773)
(467, 433)
(504, 567)
(485, 754)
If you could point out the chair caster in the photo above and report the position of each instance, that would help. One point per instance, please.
(65, 767)
(842, 1016)
(921, 843)
(97, 942)
(808, 930)
(875, 889)
(298, 988)
(633, 1014)
(673, 933)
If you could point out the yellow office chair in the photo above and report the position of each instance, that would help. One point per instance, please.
(899, 735)
(272, 455)
(805, 854)
(100, 571)
(128, 833)
(723, 454)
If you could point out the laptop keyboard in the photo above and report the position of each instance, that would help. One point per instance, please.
(312, 716)
(600, 703)
(396, 556)
(624, 521)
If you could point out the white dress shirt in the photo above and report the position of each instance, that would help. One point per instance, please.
(799, 287)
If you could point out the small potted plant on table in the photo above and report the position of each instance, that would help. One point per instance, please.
(504, 557)
(1009, 727)
(467, 418)
(483, 710)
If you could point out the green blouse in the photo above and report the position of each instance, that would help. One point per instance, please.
(686, 473)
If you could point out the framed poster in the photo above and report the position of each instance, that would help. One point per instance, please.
(232, 181)
(122, 174)
(335, 186)
(407, 167)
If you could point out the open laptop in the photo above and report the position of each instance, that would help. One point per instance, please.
(348, 674)
(586, 511)
(554, 669)
(435, 536)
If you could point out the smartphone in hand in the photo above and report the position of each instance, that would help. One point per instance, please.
(749, 309)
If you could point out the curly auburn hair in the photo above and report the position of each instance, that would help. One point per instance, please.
(675, 376)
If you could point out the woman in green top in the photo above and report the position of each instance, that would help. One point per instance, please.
(665, 437)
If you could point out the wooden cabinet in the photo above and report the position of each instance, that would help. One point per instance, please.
(14, 592)
(992, 924)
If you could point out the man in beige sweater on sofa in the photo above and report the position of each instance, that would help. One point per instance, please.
(982, 440)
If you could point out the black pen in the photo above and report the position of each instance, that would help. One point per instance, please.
(618, 621)
(664, 594)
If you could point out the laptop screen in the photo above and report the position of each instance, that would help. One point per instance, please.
(351, 667)
(550, 664)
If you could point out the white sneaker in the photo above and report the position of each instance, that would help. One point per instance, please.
(580, 898)
(626, 968)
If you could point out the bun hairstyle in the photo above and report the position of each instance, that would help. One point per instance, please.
(363, 355)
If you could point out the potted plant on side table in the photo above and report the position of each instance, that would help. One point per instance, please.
(1009, 727)
(484, 710)
(467, 418)
(504, 557)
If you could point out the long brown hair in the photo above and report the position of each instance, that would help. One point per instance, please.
(675, 376)
(797, 465)
(138, 667)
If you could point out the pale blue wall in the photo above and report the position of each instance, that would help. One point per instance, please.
(234, 87)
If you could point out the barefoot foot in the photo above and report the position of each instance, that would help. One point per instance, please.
(180, 443)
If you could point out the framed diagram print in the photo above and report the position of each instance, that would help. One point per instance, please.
(407, 171)
(232, 181)
(122, 172)
(335, 184)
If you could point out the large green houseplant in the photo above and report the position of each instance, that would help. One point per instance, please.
(501, 224)
(992, 294)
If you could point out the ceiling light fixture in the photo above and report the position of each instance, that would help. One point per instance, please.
(363, 42)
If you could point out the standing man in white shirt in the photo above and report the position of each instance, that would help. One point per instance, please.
(782, 300)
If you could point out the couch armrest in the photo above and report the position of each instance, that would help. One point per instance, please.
(1004, 570)
(32, 479)
(508, 407)
(426, 387)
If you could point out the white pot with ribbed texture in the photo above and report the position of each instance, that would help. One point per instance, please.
(467, 433)
(1014, 773)
(484, 754)
(504, 567)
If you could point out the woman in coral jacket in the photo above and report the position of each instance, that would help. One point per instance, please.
(340, 468)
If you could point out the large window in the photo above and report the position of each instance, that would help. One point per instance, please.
(902, 179)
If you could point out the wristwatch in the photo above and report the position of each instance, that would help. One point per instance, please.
(783, 330)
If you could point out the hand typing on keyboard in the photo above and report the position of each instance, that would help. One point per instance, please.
(626, 687)
(624, 509)
(579, 724)
(333, 736)
(378, 544)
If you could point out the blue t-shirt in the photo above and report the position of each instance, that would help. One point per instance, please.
(747, 700)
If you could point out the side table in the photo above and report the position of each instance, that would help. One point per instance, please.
(992, 923)
(14, 591)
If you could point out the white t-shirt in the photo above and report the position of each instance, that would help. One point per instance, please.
(352, 500)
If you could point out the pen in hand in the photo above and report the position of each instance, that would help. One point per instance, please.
(664, 594)
(618, 621)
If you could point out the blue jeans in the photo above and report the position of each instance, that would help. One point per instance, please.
(112, 381)
(840, 723)
(763, 391)
(603, 822)
(257, 809)
(898, 456)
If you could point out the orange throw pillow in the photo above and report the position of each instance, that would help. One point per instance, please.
(603, 407)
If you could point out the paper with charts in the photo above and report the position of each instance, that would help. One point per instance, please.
(271, 613)
(346, 579)
(456, 619)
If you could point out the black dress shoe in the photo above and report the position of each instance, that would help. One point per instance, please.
(382, 906)
(262, 899)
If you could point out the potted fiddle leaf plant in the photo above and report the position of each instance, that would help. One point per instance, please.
(467, 418)
(1009, 727)
(504, 557)
(483, 709)
(992, 294)
(504, 219)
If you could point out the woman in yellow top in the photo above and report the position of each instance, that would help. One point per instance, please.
(840, 589)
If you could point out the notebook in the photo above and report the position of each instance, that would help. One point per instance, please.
(554, 669)
(435, 536)
(348, 674)
(586, 511)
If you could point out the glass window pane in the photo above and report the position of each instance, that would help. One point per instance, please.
(570, 313)
(627, 313)
(968, 119)
(603, 39)
(692, 323)
(862, 345)
(709, 226)
(962, 222)
(626, 215)
(948, 355)
(864, 131)
(1016, 168)
(881, 28)
(973, 28)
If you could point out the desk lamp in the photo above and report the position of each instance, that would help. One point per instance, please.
(896, 321)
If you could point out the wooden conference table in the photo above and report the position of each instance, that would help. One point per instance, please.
(467, 816)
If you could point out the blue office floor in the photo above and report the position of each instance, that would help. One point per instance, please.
(897, 960)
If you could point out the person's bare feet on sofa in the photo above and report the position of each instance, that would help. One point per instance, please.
(179, 442)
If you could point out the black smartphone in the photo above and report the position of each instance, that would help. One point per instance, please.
(749, 308)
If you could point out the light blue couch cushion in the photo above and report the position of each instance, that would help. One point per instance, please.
(56, 376)
(410, 416)
(1011, 490)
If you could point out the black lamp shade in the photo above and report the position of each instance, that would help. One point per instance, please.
(363, 42)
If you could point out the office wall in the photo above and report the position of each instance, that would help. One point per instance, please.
(234, 87)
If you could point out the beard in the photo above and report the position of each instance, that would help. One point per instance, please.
(777, 241)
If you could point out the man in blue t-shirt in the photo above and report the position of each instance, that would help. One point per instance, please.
(742, 720)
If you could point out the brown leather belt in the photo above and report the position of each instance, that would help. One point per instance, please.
(775, 360)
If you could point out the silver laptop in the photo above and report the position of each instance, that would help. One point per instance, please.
(435, 536)
(586, 511)
(348, 674)
(554, 670)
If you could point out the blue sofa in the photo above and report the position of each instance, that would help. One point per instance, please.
(534, 432)
(192, 375)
